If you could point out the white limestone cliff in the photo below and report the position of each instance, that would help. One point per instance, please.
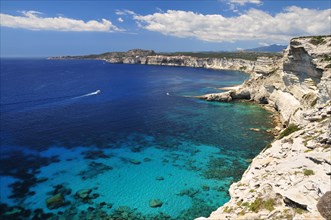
(298, 82)
(287, 179)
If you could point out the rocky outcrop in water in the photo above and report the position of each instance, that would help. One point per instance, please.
(288, 179)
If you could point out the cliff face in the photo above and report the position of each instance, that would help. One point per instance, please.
(249, 66)
(288, 179)
(212, 63)
(296, 83)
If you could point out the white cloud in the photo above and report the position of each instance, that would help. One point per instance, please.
(124, 12)
(263, 44)
(32, 20)
(252, 25)
(243, 2)
(120, 20)
(235, 5)
(119, 12)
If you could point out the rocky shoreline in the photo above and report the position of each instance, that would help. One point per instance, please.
(240, 61)
(290, 179)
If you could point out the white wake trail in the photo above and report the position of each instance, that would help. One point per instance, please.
(88, 94)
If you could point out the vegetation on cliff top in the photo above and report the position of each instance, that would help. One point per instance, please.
(289, 130)
(230, 55)
(138, 52)
(317, 40)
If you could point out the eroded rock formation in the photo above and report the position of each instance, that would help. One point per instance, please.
(288, 179)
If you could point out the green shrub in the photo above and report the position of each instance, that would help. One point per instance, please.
(326, 57)
(308, 172)
(256, 205)
(289, 130)
(227, 209)
(245, 204)
(268, 146)
(247, 55)
(287, 215)
(259, 204)
(269, 204)
(299, 211)
(317, 40)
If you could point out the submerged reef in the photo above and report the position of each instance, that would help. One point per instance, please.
(289, 179)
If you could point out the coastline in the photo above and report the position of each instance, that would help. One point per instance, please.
(290, 177)
(296, 102)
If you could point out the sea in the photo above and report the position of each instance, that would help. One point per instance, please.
(86, 139)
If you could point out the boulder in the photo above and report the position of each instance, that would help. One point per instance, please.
(255, 129)
(155, 203)
(324, 205)
(159, 178)
(55, 201)
(83, 194)
(133, 161)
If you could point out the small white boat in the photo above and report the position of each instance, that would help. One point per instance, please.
(167, 93)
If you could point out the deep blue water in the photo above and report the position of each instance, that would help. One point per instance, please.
(57, 133)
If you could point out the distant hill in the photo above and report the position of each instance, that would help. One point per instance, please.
(270, 48)
(246, 55)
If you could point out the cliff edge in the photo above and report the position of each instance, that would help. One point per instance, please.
(290, 179)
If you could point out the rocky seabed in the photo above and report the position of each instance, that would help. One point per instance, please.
(291, 178)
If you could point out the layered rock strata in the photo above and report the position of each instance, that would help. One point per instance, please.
(248, 66)
(287, 179)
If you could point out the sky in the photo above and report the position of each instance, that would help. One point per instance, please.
(54, 28)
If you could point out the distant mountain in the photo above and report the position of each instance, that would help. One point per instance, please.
(270, 48)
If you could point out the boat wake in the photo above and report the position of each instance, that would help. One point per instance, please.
(43, 103)
(88, 94)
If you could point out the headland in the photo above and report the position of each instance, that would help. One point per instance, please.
(289, 179)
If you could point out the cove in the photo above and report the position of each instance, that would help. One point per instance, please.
(138, 149)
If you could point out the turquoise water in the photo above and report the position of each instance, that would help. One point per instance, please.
(140, 139)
